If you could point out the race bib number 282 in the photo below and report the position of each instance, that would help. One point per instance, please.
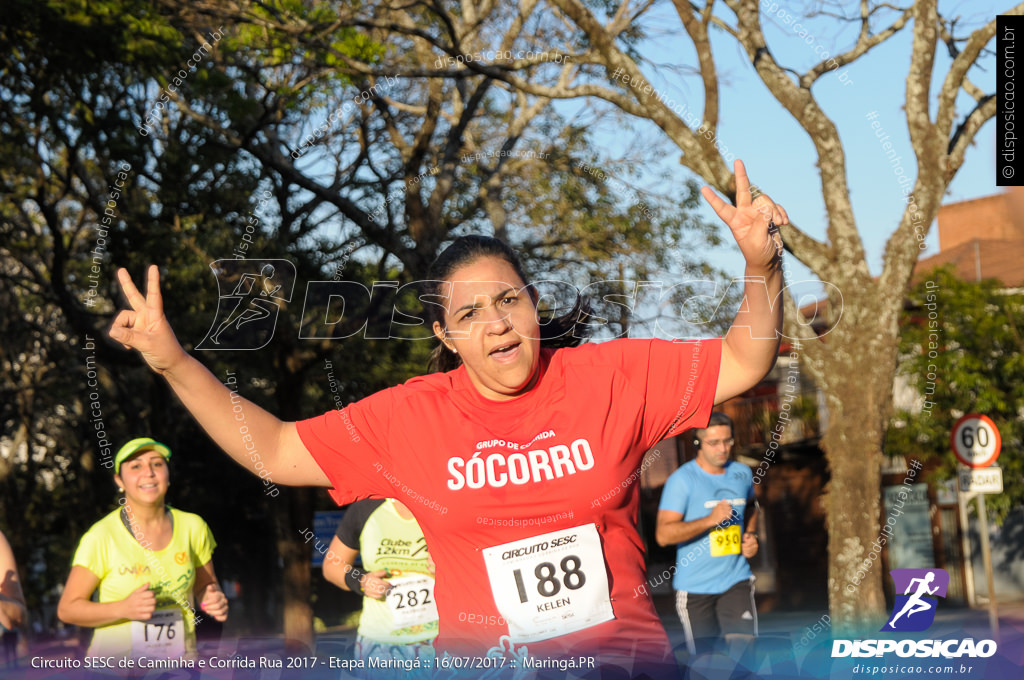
(411, 600)
(550, 585)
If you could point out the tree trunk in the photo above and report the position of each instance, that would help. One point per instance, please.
(851, 444)
(855, 365)
(296, 581)
(293, 512)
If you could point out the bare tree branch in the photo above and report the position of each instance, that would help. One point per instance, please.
(922, 60)
(965, 133)
(865, 42)
(697, 28)
(841, 229)
(957, 74)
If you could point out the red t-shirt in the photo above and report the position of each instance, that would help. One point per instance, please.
(479, 473)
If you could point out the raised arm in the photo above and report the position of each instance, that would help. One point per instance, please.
(752, 342)
(145, 328)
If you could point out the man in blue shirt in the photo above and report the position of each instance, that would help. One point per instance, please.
(708, 509)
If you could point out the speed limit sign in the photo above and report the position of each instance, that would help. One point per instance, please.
(976, 440)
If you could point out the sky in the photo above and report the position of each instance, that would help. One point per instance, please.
(778, 153)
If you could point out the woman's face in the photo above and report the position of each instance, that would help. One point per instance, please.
(144, 477)
(491, 321)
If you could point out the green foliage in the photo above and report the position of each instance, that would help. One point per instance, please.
(76, 79)
(70, 76)
(963, 349)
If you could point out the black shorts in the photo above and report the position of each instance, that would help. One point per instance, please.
(706, 617)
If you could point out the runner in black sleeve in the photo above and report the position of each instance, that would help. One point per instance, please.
(399, 619)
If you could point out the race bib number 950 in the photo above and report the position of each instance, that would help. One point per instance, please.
(725, 541)
(550, 585)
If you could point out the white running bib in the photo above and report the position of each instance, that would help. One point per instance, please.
(162, 637)
(550, 585)
(411, 600)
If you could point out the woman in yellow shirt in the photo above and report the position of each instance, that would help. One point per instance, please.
(150, 563)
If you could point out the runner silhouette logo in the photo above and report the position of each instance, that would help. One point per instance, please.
(914, 609)
(250, 297)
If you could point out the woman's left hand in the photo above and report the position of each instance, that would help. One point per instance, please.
(749, 221)
(215, 602)
(749, 545)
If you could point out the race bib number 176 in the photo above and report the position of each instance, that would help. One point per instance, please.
(550, 585)
(161, 637)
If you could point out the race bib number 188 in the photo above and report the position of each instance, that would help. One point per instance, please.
(550, 585)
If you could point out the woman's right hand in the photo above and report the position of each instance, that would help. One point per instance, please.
(140, 605)
(374, 585)
(144, 327)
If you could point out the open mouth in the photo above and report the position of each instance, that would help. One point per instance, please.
(504, 351)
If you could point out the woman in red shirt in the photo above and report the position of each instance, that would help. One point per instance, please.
(520, 464)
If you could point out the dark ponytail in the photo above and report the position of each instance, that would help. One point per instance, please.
(566, 330)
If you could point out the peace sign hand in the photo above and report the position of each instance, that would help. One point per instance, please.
(144, 327)
(749, 221)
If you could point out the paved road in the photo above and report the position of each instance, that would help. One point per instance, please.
(792, 645)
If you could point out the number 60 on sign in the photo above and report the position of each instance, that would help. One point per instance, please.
(975, 440)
